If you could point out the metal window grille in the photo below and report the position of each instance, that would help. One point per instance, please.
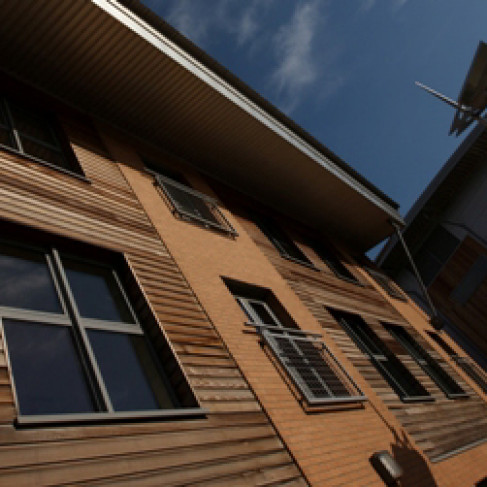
(194, 206)
(386, 284)
(312, 368)
(444, 381)
(407, 387)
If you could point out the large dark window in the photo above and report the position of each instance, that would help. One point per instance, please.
(434, 253)
(309, 364)
(283, 243)
(407, 387)
(75, 344)
(187, 203)
(34, 133)
(426, 361)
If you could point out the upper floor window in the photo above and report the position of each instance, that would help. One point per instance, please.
(281, 241)
(34, 133)
(312, 368)
(386, 284)
(76, 348)
(477, 374)
(331, 259)
(426, 361)
(188, 203)
(407, 387)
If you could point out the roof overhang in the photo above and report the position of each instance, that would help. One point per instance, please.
(127, 67)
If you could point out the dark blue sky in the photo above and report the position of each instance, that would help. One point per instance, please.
(345, 71)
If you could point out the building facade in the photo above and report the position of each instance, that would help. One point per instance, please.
(447, 234)
(176, 306)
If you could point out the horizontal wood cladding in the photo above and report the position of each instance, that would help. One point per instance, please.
(470, 317)
(438, 427)
(234, 445)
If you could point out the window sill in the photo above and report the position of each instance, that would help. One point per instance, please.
(95, 418)
(417, 399)
(301, 262)
(28, 157)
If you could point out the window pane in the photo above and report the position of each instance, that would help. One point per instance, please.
(130, 373)
(265, 317)
(96, 292)
(189, 203)
(333, 262)
(29, 123)
(43, 153)
(6, 137)
(48, 375)
(25, 281)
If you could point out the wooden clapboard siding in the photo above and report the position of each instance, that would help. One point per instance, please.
(234, 445)
(469, 317)
(439, 427)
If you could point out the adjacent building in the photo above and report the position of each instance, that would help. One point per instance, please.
(184, 297)
(447, 234)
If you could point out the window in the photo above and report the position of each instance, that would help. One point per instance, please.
(76, 348)
(329, 257)
(426, 361)
(386, 284)
(310, 365)
(407, 387)
(471, 281)
(187, 203)
(465, 363)
(434, 253)
(36, 134)
(286, 247)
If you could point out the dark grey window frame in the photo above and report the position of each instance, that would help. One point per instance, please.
(70, 317)
(269, 228)
(386, 283)
(271, 333)
(220, 223)
(328, 255)
(380, 359)
(424, 359)
(74, 168)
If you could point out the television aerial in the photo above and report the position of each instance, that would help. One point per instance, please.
(472, 100)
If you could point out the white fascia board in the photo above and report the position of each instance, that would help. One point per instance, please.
(130, 20)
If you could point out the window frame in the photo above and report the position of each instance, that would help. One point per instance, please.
(386, 283)
(327, 253)
(270, 335)
(69, 316)
(63, 147)
(380, 359)
(267, 225)
(424, 359)
(220, 223)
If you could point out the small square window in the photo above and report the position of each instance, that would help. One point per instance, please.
(187, 203)
(36, 134)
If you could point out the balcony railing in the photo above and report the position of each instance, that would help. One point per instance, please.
(311, 366)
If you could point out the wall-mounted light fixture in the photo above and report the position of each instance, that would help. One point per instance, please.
(387, 467)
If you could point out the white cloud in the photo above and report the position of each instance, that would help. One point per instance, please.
(297, 68)
(185, 17)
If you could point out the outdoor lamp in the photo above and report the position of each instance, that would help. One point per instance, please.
(387, 467)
